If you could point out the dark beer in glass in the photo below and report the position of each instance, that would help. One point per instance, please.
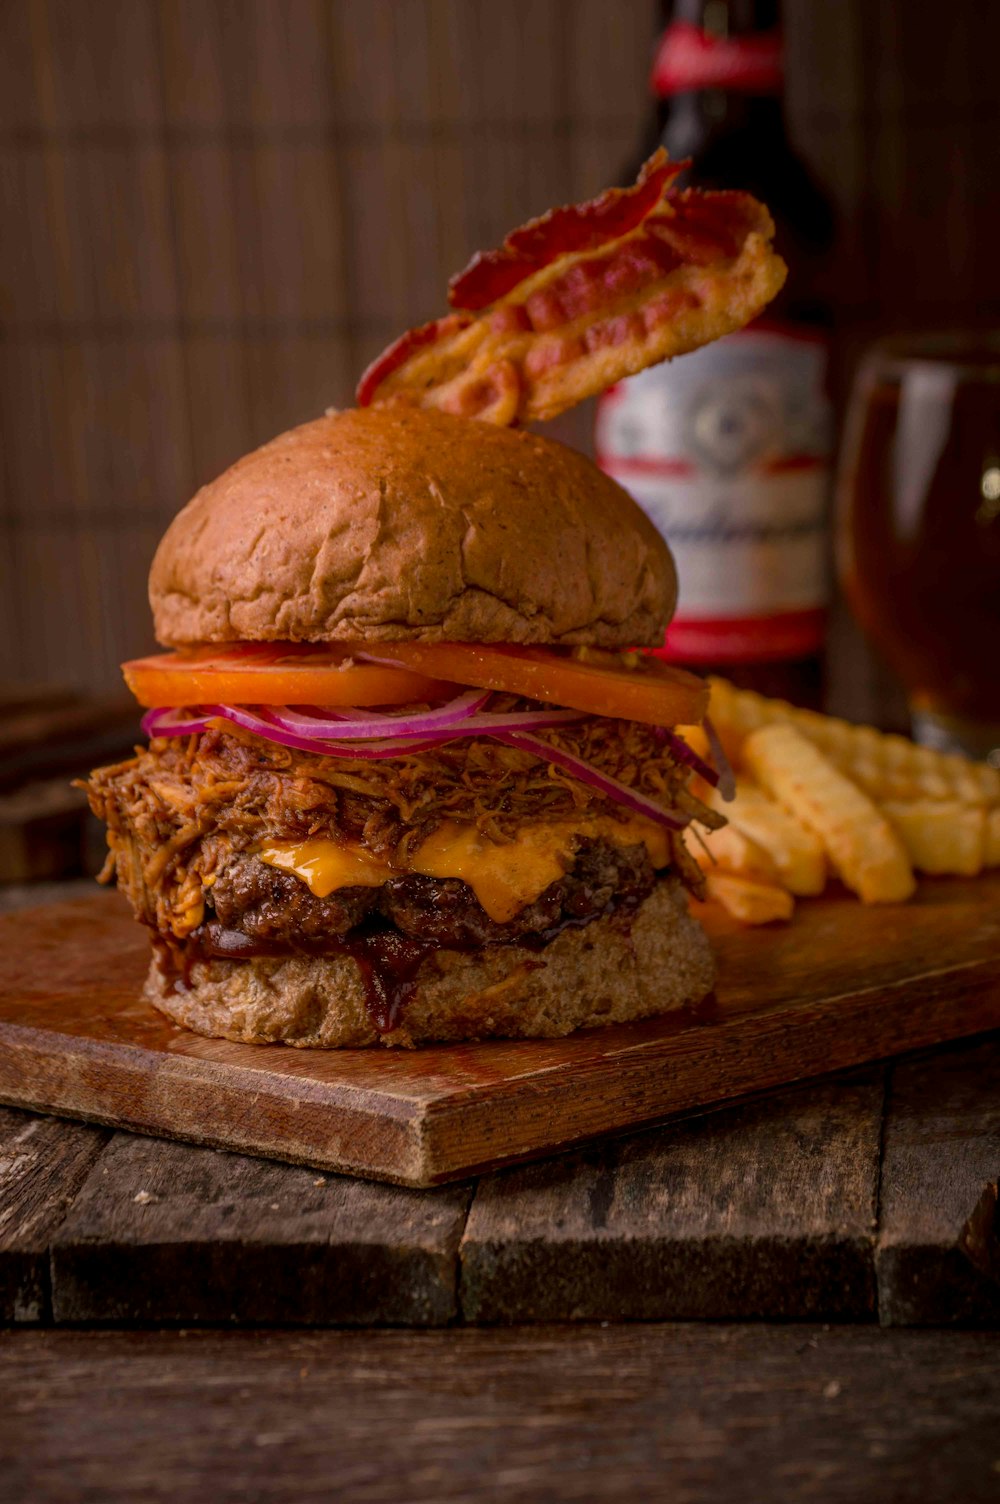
(919, 529)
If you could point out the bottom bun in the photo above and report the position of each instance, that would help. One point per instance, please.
(620, 967)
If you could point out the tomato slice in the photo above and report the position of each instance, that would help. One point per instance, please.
(628, 687)
(624, 686)
(278, 673)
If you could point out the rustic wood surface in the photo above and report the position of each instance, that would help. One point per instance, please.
(767, 1210)
(215, 215)
(43, 1163)
(165, 1232)
(939, 1239)
(774, 1209)
(573, 1415)
(843, 985)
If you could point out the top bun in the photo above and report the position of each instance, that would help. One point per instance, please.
(386, 523)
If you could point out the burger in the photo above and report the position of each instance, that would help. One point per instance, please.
(408, 778)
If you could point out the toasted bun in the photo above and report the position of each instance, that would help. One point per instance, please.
(391, 522)
(610, 971)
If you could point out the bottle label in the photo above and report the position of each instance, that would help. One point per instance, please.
(689, 58)
(727, 451)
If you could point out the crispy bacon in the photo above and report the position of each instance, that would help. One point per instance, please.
(399, 352)
(585, 295)
(490, 275)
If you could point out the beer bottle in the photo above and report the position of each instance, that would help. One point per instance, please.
(728, 449)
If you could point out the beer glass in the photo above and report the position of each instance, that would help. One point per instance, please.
(918, 535)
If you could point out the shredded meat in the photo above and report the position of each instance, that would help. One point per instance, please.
(182, 808)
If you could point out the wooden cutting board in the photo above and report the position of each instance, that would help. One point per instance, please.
(841, 985)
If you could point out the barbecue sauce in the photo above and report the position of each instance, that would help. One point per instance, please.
(387, 960)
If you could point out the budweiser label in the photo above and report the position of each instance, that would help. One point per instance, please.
(727, 451)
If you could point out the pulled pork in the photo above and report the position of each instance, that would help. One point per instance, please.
(183, 809)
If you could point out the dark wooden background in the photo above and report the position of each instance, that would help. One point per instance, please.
(213, 212)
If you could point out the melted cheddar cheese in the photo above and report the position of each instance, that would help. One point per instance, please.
(505, 878)
(325, 865)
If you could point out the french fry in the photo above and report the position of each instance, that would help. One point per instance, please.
(891, 767)
(861, 844)
(887, 767)
(796, 852)
(749, 901)
(732, 850)
(737, 712)
(941, 837)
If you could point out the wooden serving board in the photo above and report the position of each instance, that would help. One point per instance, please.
(841, 985)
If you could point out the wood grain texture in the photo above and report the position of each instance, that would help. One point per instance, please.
(213, 217)
(569, 1415)
(42, 1165)
(170, 1233)
(766, 1211)
(842, 985)
(938, 1253)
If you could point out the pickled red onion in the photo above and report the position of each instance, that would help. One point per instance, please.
(171, 722)
(354, 738)
(727, 779)
(326, 726)
(595, 779)
(415, 734)
(688, 756)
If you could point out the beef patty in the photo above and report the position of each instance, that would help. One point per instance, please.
(268, 905)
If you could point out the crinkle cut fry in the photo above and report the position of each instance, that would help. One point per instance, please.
(585, 296)
(886, 766)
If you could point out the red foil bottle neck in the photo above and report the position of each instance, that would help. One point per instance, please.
(689, 58)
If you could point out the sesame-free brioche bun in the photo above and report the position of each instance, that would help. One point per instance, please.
(615, 969)
(388, 523)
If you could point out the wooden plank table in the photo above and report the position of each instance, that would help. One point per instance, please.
(844, 985)
(869, 1196)
(513, 1336)
(573, 1416)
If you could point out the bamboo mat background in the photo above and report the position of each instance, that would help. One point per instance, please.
(214, 212)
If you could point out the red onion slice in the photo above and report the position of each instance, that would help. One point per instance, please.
(367, 750)
(262, 724)
(323, 727)
(517, 720)
(173, 723)
(259, 725)
(290, 728)
(307, 720)
(688, 756)
(515, 729)
(727, 778)
(595, 779)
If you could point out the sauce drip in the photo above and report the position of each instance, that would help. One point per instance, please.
(387, 960)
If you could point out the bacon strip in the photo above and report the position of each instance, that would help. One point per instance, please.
(559, 232)
(585, 295)
(399, 352)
